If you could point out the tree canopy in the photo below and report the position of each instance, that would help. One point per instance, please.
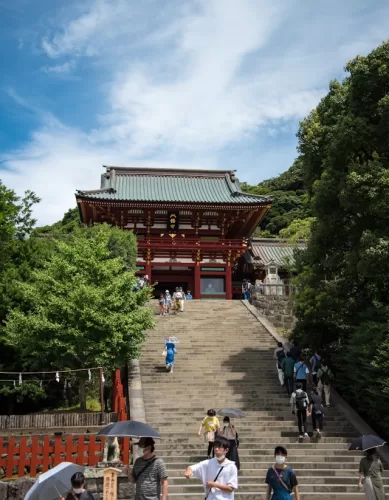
(81, 310)
(289, 201)
(343, 304)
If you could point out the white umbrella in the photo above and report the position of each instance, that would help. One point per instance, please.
(55, 482)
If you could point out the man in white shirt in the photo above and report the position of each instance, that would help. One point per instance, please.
(218, 475)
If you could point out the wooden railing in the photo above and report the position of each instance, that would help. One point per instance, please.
(31, 455)
(51, 420)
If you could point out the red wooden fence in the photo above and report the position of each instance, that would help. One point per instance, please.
(38, 455)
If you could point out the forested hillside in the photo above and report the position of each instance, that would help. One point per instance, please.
(290, 215)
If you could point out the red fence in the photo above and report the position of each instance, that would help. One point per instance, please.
(37, 454)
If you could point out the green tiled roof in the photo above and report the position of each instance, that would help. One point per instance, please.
(171, 185)
(267, 251)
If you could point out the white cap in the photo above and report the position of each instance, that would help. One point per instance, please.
(167, 291)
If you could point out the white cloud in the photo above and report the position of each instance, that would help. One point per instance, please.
(187, 86)
(60, 69)
(87, 33)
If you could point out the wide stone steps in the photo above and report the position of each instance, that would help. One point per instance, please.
(225, 359)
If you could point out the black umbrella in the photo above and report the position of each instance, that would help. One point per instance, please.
(230, 412)
(129, 428)
(366, 442)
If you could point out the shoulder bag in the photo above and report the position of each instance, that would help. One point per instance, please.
(137, 476)
(217, 475)
(283, 484)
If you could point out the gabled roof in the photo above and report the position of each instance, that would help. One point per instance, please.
(265, 251)
(171, 185)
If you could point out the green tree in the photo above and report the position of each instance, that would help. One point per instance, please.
(299, 229)
(344, 280)
(82, 311)
(289, 200)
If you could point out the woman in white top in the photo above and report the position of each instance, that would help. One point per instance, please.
(228, 431)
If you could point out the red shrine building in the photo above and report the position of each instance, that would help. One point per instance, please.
(192, 226)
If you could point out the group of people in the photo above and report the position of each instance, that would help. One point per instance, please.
(212, 430)
(294, 374)
(219, 474)
(247, 290)
(141, 282)
(174, 303)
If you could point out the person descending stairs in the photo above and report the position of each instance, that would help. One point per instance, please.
(226, 360)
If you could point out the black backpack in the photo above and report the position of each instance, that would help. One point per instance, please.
(280, 357)
(301, 401)
(325, 376)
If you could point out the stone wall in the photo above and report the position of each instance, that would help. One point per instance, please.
(16, 490)
(277, 308)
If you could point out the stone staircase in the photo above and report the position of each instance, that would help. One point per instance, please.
(225, 359)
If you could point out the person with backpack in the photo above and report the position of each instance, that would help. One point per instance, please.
(300, 404)
(287, 365)
(301, 373)
(324, 379)
(316, 410)
(279, 355)
(149, 473)
(218, 475)
(315, 365)
(280, 479)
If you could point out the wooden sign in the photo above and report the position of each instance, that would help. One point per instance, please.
(110, 487)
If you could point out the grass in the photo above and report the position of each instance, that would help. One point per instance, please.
(92, 405)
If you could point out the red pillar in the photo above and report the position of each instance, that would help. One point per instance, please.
(197, 292)
(228, 283)
(148, 272)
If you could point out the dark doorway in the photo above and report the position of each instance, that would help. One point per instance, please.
(163, 286)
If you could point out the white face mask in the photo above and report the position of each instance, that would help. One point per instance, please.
(280, 459)
(226, 424)
(77, 491)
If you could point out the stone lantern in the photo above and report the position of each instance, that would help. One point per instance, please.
(272, 280)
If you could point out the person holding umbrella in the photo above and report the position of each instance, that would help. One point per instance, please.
(370, 476)
(79, 490)
(229, 432)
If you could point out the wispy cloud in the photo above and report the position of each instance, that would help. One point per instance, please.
(60, 69)
(185, 83)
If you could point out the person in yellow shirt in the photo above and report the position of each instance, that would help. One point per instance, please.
(210, 424)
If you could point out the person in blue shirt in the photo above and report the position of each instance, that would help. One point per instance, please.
(280, 479)
(301, 373)
(171, 351)
(188, 295)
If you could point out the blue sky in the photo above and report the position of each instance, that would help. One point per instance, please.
(178, 83)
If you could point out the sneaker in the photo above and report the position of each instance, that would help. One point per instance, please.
(306, 435)
(301, 436)
(328, 406)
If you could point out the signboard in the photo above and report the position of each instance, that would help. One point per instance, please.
(110, 487)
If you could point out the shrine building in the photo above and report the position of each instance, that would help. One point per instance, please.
(192, 226)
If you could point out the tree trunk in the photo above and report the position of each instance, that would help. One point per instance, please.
(82, 395)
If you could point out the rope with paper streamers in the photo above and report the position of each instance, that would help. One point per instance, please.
(56, 372)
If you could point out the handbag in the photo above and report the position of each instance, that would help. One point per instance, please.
(217, 475)
(283, 484)
(164, 352)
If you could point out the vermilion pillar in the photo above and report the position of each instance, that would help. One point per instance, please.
(148, 271)
(228, 283)
(197, 292)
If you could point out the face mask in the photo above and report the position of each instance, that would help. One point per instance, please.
(77, 491)
(280, 459)
(222, 457)
(226, 424)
